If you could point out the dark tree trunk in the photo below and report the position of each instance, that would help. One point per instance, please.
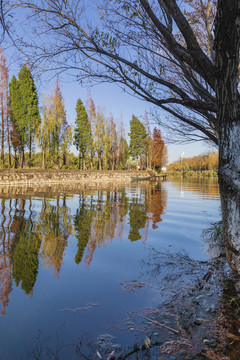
(30, 151)
(9, 144)
(64, 159)
(227, 38)
(15, 159)
(79, 161)
(22, 158)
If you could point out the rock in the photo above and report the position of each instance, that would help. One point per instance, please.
(106, 344)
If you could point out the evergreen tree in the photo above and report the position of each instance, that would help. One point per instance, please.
(18, 115)
(82, 134)
(30, 100)
(91, 110)
(138, 138)
(66, 142)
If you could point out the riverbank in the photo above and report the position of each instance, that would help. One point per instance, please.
(42, 177)
(195, 174)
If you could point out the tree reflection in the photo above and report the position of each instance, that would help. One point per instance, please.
(82, 224)
(137, 219)
(25, 256)
(5, 256)
(108, 218)
(54, 224)
(29, 233)
(156, 202)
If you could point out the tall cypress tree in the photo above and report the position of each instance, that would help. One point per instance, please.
(138, 138)
(30, 100)
(82, 134)
(18, 115)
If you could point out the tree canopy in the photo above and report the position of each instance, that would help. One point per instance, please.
(138, 138)
(30, 101)
(82, 134)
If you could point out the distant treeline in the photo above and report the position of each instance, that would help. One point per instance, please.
(197, 163)
(44, 139)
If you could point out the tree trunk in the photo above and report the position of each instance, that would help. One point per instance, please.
(43, 157)
(99, 163)
(3, 134)
(79, 161)
(83, 159)
(22, 158)
(15, 159)
(9, 143)
(30, 151)
(227, 39)
(64, 158)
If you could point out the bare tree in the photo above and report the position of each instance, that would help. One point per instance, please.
(148, 48)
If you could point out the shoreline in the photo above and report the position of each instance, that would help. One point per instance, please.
(43, 177)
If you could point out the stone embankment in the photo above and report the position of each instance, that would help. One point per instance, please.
(42, 177)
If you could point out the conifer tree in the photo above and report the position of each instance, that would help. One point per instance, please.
(18, 116)
(138, 138)
(158, 146)
(82, 133)
(30, 100)
(91, 110)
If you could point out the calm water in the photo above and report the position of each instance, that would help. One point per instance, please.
(82, 249)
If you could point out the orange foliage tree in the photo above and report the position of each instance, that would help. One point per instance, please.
(4, 102)
(158, 148)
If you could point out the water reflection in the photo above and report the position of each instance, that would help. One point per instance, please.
(35, 226)
(203, 186)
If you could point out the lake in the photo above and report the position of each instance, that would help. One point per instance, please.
(78, 263)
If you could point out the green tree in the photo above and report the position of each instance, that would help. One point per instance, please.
(30, 101)
(91, 110)
(18, 113)
(66, 143)
(138, 138)
(82, 132)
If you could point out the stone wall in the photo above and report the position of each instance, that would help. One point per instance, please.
(28, 176)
